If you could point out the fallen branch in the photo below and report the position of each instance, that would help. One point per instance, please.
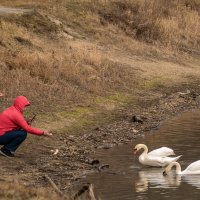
(81, 191)
(91, 192)
(54, 186)
(88, 187)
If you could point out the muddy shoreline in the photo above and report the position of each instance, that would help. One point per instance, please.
(144, 116)
(68, 157)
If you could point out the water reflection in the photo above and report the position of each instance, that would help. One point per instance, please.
(193, 180)
(133, 182)
(153, 178)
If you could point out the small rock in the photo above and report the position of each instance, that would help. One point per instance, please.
(137, 119)
(198, 100)
(96, 129)
(194, 95)
(104, 134)
(92, 162)
(95, 162)
(56, 152)
(103, 167)
(134, 130)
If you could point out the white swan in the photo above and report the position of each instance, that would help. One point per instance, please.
(193, 168)
(155, 158)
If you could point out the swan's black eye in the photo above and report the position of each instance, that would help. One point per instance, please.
(135, 149)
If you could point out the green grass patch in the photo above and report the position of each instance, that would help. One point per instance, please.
(76, 113)
(117, 98)
(155, 83)
(96, 115)
(79, 119)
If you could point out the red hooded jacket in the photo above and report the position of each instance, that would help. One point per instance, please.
(12, 118)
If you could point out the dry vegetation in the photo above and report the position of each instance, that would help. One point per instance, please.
(16, 192)
(36, 56)
(167, 23)
(56, 55)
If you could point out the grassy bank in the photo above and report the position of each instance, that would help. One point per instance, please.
(66, 55)
(16, 192)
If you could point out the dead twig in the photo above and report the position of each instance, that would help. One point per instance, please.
(54, 186)
(88, 187)
(91, 192)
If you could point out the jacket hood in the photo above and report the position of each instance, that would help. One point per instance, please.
(20, 103)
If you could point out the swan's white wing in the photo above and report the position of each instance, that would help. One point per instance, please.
(168, 160)
(160, 161)
(155, 161)
(195, 166)
(162, 152)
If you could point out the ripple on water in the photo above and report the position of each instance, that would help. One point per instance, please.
(133, 181)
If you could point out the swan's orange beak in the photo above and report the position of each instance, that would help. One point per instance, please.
(135, 151)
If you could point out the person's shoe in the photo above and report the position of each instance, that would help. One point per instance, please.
(6, 152)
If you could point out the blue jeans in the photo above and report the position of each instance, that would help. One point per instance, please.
(12, 140)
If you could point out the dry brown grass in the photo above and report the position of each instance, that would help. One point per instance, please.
(168, 23)
(43, 65)
(15, 191)
(53, 71)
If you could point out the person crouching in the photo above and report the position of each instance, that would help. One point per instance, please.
(14, 128)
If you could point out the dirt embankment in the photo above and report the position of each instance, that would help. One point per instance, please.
(66, 158)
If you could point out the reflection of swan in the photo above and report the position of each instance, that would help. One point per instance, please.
(192, 180)
(154, 178)
(193, 168)
(156, 158)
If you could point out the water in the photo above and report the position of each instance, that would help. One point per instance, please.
(127, 179)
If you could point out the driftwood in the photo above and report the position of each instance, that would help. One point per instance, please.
(88, 187)
(91, 192)
(54, 186)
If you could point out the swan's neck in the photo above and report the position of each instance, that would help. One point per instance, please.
(145, 149)
(178, 167)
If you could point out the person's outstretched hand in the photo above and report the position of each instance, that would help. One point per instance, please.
(1, 94)
(47, 133)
